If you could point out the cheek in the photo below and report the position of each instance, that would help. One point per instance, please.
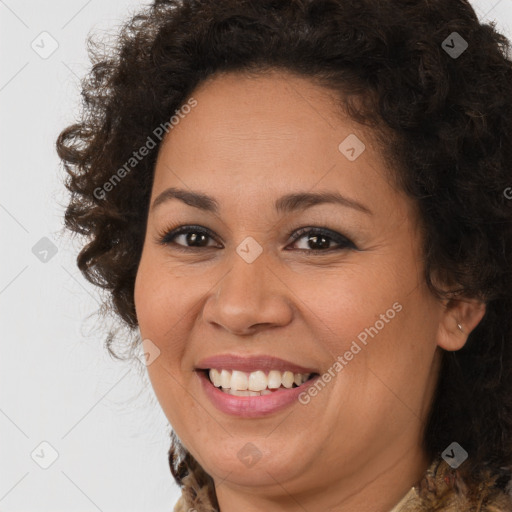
(376, 332)
(385, 345)
(377, 317)
(167, 302)
(348, 300)
(161, 303)
(158, 321)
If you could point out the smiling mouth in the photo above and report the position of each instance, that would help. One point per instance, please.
(257, 383)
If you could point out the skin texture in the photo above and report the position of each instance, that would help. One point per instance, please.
(357, 444)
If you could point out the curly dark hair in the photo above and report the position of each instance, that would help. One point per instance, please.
(445, 124)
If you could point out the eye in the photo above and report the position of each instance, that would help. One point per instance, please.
(321, 238)
(198, 236)
(191, 234)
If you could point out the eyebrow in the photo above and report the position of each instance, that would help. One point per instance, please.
(285, 204)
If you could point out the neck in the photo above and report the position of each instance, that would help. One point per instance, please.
(377, 487)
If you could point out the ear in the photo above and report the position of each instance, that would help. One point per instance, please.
(459, 318)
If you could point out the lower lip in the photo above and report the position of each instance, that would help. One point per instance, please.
(252, 406)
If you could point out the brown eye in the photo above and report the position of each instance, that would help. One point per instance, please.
(320, 239)
(196, 236)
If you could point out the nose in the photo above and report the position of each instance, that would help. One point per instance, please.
(249, 298)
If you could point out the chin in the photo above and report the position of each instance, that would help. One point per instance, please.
(248, 463)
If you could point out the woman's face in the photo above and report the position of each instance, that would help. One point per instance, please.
(350, 304)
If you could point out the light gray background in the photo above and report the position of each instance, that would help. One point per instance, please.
(57, 383)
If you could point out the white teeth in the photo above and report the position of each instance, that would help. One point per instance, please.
(288, 379)
(243, 392)
(255, 383)
(240, 382)
(225, 379)
(215, 378)
(274, 379)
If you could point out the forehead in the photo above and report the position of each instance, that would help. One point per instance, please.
(267, 135)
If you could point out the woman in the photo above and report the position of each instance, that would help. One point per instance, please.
(300, 209)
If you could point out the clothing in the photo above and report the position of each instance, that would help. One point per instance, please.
(410, 496)
(441, 489)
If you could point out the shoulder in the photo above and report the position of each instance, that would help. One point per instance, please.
(443, 489)
(180, 506)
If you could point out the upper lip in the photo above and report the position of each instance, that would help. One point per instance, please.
(251, 363)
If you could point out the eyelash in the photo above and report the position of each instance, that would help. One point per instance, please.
(167, 236)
